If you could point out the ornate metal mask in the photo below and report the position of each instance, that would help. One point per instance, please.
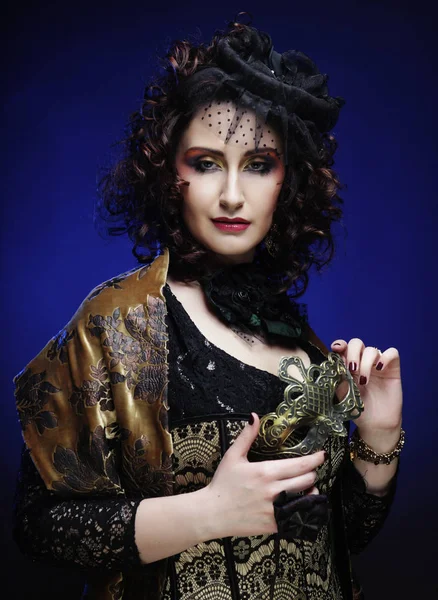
(310, 403)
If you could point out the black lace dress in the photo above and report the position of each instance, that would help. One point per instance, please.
(210, 396)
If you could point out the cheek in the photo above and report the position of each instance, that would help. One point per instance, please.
(271, 194)
(265, 190)
(201, 190)
(197, 199)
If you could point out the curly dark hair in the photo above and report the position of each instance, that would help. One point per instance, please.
(140, 194)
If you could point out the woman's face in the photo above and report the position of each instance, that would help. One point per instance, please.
(232, 189)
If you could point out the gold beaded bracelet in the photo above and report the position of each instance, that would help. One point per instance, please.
(359, 449)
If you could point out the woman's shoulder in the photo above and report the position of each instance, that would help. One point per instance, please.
(134, 298)
(311, 337)
(126, 290)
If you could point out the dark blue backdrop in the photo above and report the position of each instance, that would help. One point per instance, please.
(76, 70)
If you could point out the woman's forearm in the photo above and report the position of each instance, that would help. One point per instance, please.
(168, 525)
(378, 477)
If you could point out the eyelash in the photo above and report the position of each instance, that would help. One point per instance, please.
(266, 167)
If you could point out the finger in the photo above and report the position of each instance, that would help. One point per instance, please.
(293, 467)
(245, 439)
(339, 346)
(388, 358)
(296, 484)
(313, 491)
(370, 358)
(354, 355)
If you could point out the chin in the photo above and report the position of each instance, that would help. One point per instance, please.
(226, 256)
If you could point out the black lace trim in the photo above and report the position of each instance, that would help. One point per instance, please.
(198, 387)
(364, 513)
(89, 533)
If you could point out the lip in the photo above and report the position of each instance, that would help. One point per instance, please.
(228, 220)
(231, 225)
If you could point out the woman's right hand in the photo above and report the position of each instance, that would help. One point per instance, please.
(241, 493)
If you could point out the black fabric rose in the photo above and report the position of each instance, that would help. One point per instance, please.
(297, 69)
(301, 517)
(242, 295)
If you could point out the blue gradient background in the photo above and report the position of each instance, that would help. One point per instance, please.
(75, 71)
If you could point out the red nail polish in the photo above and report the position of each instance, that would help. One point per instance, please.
(362, 380)
(352, 366)
(379, 366)
(251, 419)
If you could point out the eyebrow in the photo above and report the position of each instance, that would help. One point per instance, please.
(220, 153)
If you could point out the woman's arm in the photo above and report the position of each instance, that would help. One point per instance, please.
(378, 377)
(378, 478)
(364, 512)
(75, 532)
(368, 489)
(237, 502)
(119, 533)
(368, 492)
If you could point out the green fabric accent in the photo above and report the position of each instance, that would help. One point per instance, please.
(255, 321)
(281, 328)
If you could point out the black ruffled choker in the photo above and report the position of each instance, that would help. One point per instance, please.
(242, 295)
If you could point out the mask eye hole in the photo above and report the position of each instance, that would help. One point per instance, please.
(315, 374)
(342, 390)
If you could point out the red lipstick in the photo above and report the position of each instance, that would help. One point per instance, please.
(231, 225)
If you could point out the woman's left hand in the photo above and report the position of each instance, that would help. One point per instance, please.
(379, 381)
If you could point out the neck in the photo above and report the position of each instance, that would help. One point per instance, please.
(224, 260)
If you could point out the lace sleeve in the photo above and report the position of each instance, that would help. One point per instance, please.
(365, 513)
(89, 534)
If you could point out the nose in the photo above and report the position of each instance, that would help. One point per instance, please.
(232, 197)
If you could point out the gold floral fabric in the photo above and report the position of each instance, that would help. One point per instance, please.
(93, 403)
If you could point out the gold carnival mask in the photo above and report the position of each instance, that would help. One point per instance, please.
(311, 403)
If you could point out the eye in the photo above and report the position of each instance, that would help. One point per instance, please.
(260, 166)
(204, 165)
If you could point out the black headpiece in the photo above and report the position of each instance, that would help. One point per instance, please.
(285, 89)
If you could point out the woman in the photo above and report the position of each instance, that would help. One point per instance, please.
(147, 417)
